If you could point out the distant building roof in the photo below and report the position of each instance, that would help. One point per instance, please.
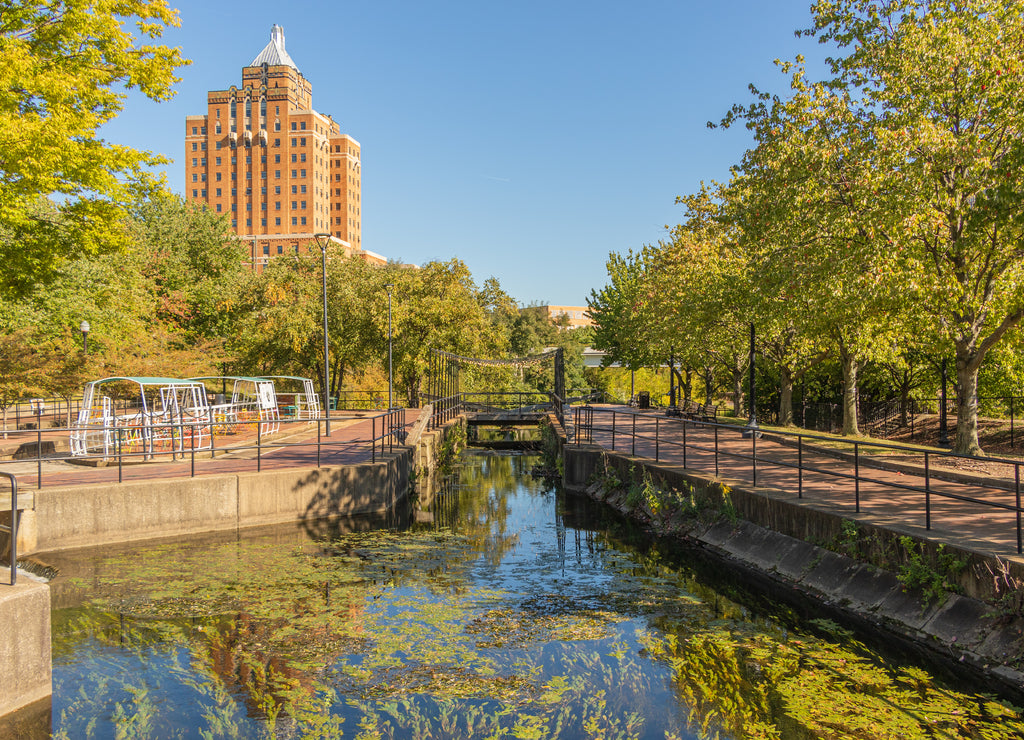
(273, 53)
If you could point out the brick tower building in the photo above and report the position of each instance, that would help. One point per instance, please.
(278, 169)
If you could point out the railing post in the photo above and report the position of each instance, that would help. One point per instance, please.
(1011, 423)
(657, 443)
(799, 466)
(373, 440)
(927, 494)
(633, 448)
(39, 448)
(613, 430)
(684, 442)
(753, 459)
(13, 529)
(716, 451)
(318, 443)
(1016, 478)
(117, 442)
(192, 444)
(259, 447)
(856, 475)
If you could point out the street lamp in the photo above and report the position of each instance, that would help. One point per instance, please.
(322, 240)
(752, 428)
(391, 376)
(84, 328)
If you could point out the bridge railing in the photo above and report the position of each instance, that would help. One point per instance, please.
(216, 446)
(707, 445)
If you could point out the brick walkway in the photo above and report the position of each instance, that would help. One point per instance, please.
(881, 492)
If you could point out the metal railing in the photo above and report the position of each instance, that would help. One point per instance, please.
(12, 530)
(239, 439)
(686, 437)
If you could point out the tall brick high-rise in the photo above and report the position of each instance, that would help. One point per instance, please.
(280, 170)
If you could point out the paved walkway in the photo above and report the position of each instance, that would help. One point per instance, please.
(296, 445)
(964, 512)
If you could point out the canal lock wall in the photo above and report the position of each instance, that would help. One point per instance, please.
(803, 550)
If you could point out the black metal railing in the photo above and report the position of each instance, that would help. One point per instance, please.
(176, 441)
(655, 435)
(522, 402)
(12, 530)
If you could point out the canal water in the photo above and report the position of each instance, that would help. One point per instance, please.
(500, 608)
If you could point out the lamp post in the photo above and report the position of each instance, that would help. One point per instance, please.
(322, 240)
(391, 376)
(752, 427)
(84, 328)
(943, 428)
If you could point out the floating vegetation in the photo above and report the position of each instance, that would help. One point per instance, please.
(513, 614)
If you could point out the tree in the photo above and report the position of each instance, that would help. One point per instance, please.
(64, 67)
(944, 80)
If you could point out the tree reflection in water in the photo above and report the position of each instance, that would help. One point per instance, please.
(515, 612)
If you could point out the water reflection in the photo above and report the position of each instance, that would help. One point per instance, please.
(511, 610)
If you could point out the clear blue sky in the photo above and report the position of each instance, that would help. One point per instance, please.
(529, 139)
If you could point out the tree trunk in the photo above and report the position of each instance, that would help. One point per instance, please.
(785, 396)
(737, 391)
(967, 365)
(850, 367)
(688, 386)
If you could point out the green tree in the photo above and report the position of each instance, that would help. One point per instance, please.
(64, 69)
(944, 80)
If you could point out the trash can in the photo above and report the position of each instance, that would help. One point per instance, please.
(643, 400)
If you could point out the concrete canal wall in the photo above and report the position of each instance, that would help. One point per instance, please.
(825, 554)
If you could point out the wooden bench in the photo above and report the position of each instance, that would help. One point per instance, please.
(708, 412)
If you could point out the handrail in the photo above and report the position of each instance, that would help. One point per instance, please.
(13, 528)
(178, 441)
(586, 427)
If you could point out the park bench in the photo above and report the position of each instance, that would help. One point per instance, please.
(708, 412)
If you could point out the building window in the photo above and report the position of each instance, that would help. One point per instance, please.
(194, 146)
(280, 249)
(203, 177)
(295, 173)
(234, 175)
(302, 173)
(302, 141)
(295, 221)
(248, 175)
(218, 208)
(277, 205)
(263, 159)
(217, 128)
(266, 249)
(303, 220)
(302, 126)
(248, 206)
(234, 206)
(293, 125)
(277, 174)
(277, 190)
(263, 206)
(203, 161)
(218, 177)
(204, 193)
(302, 157)
(195, 177)
(303, 205)
(277, 127)
(303, 188)
(248, 222)
(248, 159)
(277, 221)
(202, 144)
(234, 224)
(263, 222)
(217, 145)
(263, 174)
(295, 205)
(195, 193)
(277, 159)
(217, 160)
(234, 159)
(295, 157)
(195, 130)
(294, 141)
(218, 192)
(234, 192)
